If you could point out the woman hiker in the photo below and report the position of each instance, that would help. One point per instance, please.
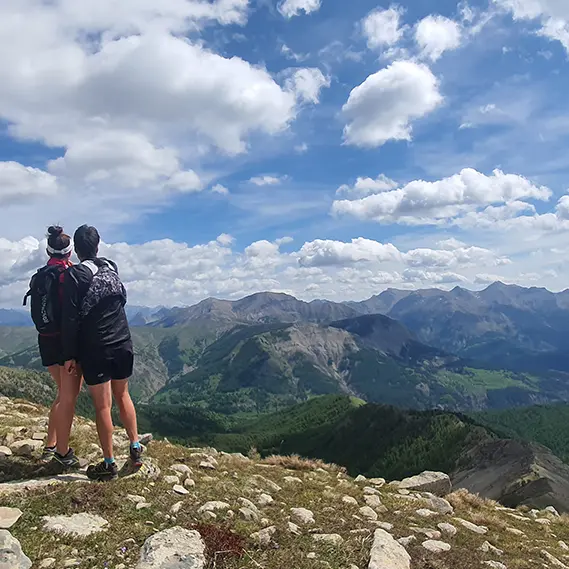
(46, 295)
(96, 340)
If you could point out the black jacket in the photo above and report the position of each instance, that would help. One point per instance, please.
(103, 329)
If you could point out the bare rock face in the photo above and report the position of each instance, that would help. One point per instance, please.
(173, 548)
(386, 552)
(11, 554)
(436, 483)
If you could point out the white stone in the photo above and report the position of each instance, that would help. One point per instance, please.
(175, 509)
(379, 482)
(328, 538)
(248, 515)
(172, 479)
(135, 499)
(8, 517)
(472, 527)
(494, 564)
(214, 506)
(26, 448)
(372, 500)
(449, 529)
(173, 548)
(11, 554)
(387, 553)
(552, 510)
(264, 500)
(487, 547)
(264, 536)
(427, 532)
(436, 546)
(543, 521)
(437, 483)
(293, 528)
(349, 500)
(292, 480)
(439, 505)
(424, 513)
(384, 525)
(368, 490)
(143, 505)
(181, 468)
(248, 504)
(189, 483)
(5, 451)
(261, 481)
(39, 436)
(360, 478)
(77, 525)
(368, 513)
(406, 541)
(563, 545)
(553, 560)
(206, 465)
(515, 531)
(47, 563)
(302, 515)
(180, 490)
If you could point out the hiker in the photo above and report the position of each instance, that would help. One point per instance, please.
(46, 294)
(97, 340)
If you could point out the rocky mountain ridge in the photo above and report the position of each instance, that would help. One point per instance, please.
(199, 508)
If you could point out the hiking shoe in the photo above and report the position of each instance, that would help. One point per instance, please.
(136, 455)
(103, 472)
(48, 454)
(69, 461)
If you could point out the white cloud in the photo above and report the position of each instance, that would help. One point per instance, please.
(367, 186)
(443, 201)
(290, 8)
(18, 182)
(384, 105)
(301, 148)
(266, 180)
(323, 252)
(435, 35)
(220, 189)
(306, 84)
(382, 27)
(553, 16)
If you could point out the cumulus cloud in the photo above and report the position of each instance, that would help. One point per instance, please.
(381, 27)
(436, 34)
(306, 84)
(366, 186)
(553, 16)
(20, 183)
(290, 8)
(220, 189)
(383, 107)
(323, 268)
(444, 201)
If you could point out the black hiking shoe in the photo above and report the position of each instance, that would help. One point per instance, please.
(136, 455)
(48, 454)
(69, 461)
(103, 472)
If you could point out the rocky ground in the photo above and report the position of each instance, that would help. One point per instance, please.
(198, 508)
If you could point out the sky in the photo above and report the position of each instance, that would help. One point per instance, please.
(322, 148)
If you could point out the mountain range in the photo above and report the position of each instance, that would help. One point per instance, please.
(460, 350)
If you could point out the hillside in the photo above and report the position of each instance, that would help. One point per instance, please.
(544, 424)
(199, 508)
(266, 367)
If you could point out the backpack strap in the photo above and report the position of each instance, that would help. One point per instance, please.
(92, 266)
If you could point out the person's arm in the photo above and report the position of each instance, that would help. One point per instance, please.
(70, 315)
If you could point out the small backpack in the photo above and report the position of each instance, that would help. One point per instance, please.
(45, 296)
(105, 283)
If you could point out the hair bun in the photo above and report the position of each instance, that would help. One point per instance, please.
(55, 230)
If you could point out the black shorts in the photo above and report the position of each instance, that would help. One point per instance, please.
(51, 350)
(112, 364)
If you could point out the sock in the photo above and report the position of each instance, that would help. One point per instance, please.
(135, 445)
(50, 448)
(109, 461)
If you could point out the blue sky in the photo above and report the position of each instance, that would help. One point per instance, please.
(223, 141)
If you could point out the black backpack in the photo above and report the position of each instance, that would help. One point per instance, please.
(45, 297)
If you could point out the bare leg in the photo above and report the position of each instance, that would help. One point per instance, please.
(102, 400)
(126, 408)
(51, 426)
(68, 393)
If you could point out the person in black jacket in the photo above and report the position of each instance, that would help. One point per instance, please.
(96, 339)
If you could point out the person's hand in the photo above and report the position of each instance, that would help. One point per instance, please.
(71, 367)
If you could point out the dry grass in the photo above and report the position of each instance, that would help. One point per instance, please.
(295, 462)
(464, 499)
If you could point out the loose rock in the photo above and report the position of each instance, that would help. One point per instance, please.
(11, 554)
(8, 517)
(328, 538)
(368, 513)
(349, 500)
(386, 552)
(264, 536)
(214, 506)
(174, 547)
(436, 546)
(449, 529)
(180, 490)
(437, 483)
(472, 527)
(302, 515)
(26, 448)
